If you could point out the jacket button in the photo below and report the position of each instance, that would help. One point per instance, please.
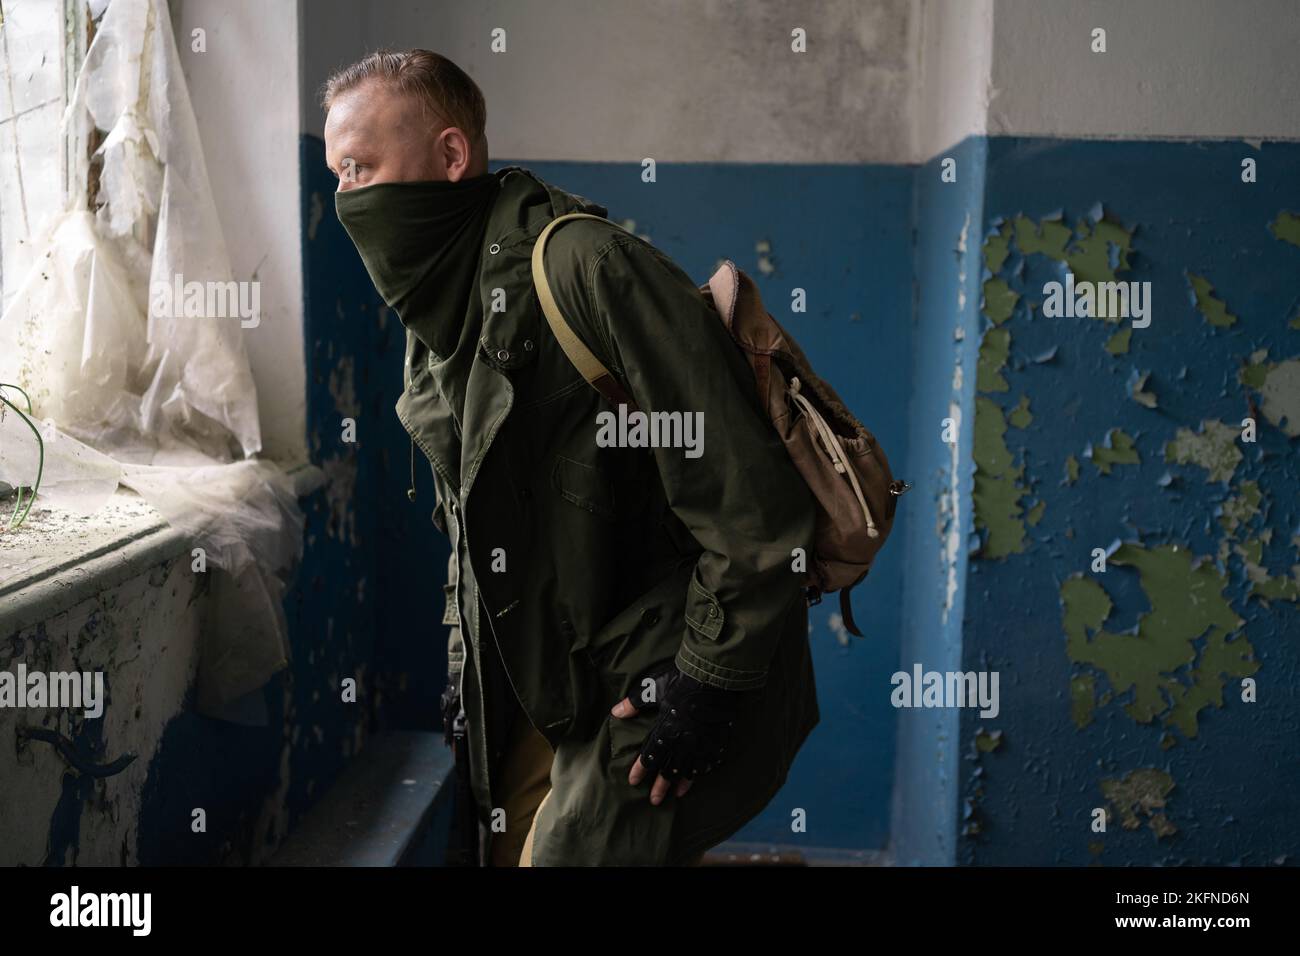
(503, 354)
(650, 617)
(713, 611)
(528, 345)
(494, 248)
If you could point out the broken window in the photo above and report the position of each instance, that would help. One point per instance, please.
(39, 56)
(122, 322)
(41, 47)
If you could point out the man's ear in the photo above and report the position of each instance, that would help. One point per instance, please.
(456, 154)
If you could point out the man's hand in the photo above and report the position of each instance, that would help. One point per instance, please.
(690, 737)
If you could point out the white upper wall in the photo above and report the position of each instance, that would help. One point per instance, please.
(952, 77)
(1208, 69)
(677, 80)
(889, 81)
(245, 94)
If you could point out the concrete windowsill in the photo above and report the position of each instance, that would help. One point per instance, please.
(56, 558)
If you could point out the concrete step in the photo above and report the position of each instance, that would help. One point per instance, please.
(392, 806)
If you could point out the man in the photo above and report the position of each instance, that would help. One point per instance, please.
(629, 630)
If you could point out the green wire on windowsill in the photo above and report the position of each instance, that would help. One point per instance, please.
(14, 519)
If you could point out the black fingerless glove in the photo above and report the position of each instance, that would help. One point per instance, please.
(690, 738)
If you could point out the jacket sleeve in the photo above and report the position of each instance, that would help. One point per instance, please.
(741, 497)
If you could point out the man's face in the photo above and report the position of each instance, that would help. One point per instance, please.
(377, 135)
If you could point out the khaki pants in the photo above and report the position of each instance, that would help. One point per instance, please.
(525, 779)
(526, 782)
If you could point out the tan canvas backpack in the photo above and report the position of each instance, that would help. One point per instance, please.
(837, 456)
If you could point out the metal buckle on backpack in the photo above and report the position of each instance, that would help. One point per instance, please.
(898, 486)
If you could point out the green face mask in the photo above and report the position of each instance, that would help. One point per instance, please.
(421, 244)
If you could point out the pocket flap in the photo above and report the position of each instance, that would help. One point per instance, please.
(703, 610)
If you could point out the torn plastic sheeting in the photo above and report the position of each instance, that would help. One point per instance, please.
(75, 477)
(248, 547)
(244, 640)
(77, 330)
(241, 514)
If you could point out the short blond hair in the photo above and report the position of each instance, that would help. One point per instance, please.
(444, 88)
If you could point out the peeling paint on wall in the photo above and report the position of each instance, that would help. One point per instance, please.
(997, 483)
(1117, 449)
(1071, 469)
(999, 300)
(341, 469)
(1083, 699)
(1141, 793)
(997, 486)
(1156, 661)
(1095, 250)
(1049, 238)
(993, 358)
(1118, 343)
(1286, 227)
(997, 247)
(1020, 416)
(1240, 509)
(1278, 385)
(1138, 391)
(1262, 584)
(950, 506)
(1202, 593)
(1214, 449)
(1213, 309)
(143, 636)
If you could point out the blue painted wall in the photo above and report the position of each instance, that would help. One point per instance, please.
(1028, 798)
(946, 217)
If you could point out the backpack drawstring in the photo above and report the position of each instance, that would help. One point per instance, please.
(835, 450)
(410, 492)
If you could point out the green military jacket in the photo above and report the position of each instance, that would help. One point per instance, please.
(574, 566)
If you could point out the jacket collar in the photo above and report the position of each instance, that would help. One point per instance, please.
(511, 325)
(524, 206)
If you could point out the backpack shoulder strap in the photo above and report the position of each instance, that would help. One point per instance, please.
(597, 376)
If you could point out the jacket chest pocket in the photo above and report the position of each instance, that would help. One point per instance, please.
(585, 486)
(616, 487)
